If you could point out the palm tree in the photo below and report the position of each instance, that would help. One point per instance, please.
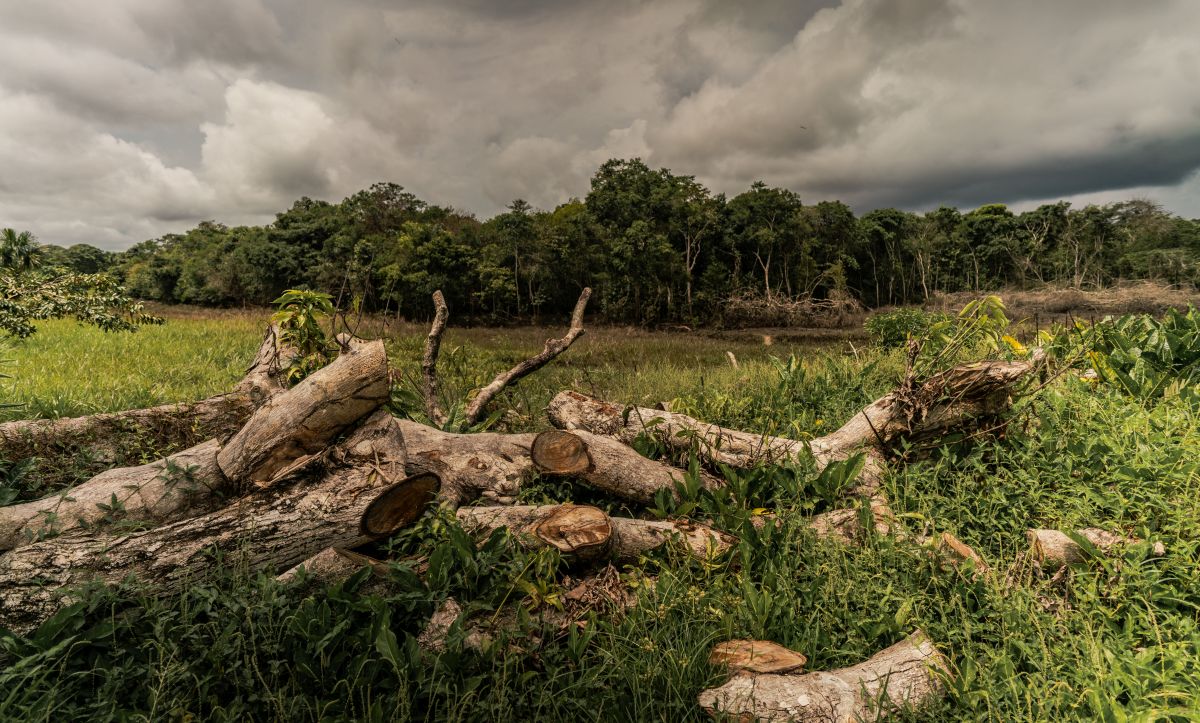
(18, 251)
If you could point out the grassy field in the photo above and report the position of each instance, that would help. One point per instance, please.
(1114, 639)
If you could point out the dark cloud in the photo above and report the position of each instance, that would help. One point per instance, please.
(127, 119)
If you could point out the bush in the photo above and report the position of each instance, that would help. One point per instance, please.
(894, 328)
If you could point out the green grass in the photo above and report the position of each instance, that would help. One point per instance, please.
(1114, 640)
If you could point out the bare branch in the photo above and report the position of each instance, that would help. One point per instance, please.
(554, 347)
(433, 344)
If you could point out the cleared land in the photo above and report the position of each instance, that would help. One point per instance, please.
(1115, 637)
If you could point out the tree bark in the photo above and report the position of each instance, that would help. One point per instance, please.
(494, 466)
(950, 400)
(902, 676)
(331, 565)
(103, 437)
(359, 497)
(846, 525)
(586, 533)
(296, 425)
(182, 485)
(608, 466)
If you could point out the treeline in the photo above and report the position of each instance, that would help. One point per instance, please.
(656, 246)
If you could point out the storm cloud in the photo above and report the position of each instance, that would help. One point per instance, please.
(123, 120)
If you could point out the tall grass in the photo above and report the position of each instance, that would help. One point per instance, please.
(1113, 640)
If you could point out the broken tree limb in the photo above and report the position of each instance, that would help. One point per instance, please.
(1055, 549)
(906, 675)
(182, 485)
(475, 409)
(273, 529)
(494, 466)
(296, 425)
(105, 437)
(433, 344)
(586, 533)
(953, 399)
(606, 465)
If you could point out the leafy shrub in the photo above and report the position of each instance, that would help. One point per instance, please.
(299, 317)
(891, 329)
(1145, 356)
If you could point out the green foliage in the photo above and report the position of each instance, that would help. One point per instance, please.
(299, 316)
(94, 299)
(893, 329)
(1148, 357)
(1112, 638)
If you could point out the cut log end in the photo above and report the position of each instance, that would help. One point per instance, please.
(559, 452)
(756, 656)
(1055, 549)
(400, 505)
(581, 531)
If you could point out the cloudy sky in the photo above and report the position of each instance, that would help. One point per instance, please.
(125, 119)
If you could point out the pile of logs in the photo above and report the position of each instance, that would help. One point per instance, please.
(299, 477)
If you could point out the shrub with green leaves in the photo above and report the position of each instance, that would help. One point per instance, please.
(892, 329)
(1145, 356)
(299, 316)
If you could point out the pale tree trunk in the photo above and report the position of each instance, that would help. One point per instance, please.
(360, 497)
(946, 401)
(292, 428)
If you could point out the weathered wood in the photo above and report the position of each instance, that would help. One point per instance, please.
(1055, 549)
(331, 565)
(606, 465)
(299, 423)
(756, 656)
(494, 466)
(952, 399)
(476, 407)
(846, 525)
(182, 485)
(101, 436)
(433, 344)
(273, 529)
(902, 676)
(586, 533)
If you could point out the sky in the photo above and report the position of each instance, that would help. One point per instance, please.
(127, 119)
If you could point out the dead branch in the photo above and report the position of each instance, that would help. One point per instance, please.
(554, 347)
(433, 345)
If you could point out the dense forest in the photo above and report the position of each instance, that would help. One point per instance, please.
(657, 246)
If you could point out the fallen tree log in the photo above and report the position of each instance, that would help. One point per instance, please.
(586, 533)
(297, 425)
(954, 399)
(182, 485)
(606, 465)
(902, 676)
(359, 496)
(847, 525)
(104, 438)
(1055, 549)
(290, 429)
(494, 466)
